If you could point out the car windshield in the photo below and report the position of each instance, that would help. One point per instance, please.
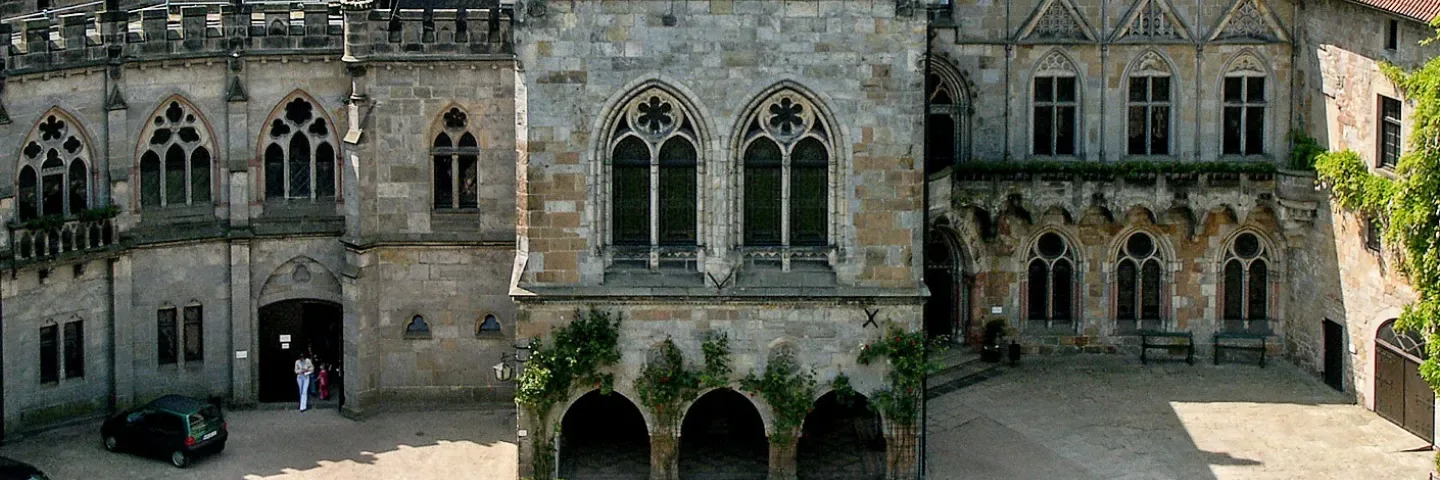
(206, 413)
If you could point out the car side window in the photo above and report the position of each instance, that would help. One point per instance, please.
(165, 422)
(136, 417)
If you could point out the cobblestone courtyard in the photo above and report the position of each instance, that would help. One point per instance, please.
(1108, 418)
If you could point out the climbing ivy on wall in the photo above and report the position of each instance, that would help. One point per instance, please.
(573, 359)
(912, 357)
(1407, 205)
(665, 384)
(788, 389)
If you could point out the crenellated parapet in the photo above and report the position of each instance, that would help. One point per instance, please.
(85, 37)
(411, 32)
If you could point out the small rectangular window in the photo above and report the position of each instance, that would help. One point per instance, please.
(1389, 141)
(165, 338)
(194, 334)
(74, 350)
(1372, 234)
(1392, 35)
(49, 354)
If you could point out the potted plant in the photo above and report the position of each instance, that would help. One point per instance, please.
(990, 350)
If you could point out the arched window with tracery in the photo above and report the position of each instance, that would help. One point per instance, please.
(947, 120)
(1139, 283)
(456, 172)
(299, 153)
(786, 173)
(1246, 276)
(1050, 283)
(54, 177)
(175, 166)
(653, 168)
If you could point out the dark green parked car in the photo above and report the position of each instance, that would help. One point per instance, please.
(174, 426)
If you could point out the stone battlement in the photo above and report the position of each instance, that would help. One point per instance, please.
(80, 37)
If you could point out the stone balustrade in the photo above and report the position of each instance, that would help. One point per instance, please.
(51, 241)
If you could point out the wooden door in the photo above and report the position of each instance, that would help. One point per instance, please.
(1419, 403)
(1389, 385)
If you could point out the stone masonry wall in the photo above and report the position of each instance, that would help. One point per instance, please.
(993, 51)
(859, 59)
(36, 297)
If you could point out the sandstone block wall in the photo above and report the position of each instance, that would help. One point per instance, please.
(859, 60)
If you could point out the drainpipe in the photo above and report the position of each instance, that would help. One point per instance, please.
(925, 223)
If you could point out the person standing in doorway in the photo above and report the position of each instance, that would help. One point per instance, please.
(322, 377)
(303, 368)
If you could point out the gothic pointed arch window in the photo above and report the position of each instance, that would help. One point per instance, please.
(456, 171)
(1244, 96)
(1051, 283)
(947, 120)
(1055, 107)
(786, 157)
(1246, 278)
(1150, 105)
(1139, 284)
(298, 152)
(54, 177)
(653, 168)
(176, 158)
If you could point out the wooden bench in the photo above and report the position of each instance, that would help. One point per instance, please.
(1168, 341)
(1245, 343)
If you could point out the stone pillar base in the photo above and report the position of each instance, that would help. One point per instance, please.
(782, 458)
(664, 455)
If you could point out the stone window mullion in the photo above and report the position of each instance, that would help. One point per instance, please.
(785, 198)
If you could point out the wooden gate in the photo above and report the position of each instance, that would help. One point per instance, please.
(1401, 395)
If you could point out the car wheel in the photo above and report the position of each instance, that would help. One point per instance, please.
(112, 443)
(179, 459)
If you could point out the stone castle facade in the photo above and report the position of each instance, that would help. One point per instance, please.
(408, 188)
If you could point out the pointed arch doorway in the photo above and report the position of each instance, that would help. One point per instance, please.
(947, 309)
(288, 328)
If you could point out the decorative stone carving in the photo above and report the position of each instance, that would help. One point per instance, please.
(1151, 64)
(1057, 20)
(1056, 64)
(1152, 20)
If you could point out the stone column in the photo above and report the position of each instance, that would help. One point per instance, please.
(122, 321)
(901, 444)
(665, 454)
(782, 457)
(242, 340)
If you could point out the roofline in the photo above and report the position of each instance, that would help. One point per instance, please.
(1392, 13)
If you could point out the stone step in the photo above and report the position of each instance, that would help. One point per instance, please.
(961, 369)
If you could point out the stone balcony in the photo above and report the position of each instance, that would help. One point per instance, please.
(1185, 194)
(54, 239)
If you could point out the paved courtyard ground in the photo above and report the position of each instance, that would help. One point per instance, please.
(1070, 418)
(315, 445)
(1109, 418)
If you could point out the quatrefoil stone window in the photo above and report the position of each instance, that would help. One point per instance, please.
(455, 119)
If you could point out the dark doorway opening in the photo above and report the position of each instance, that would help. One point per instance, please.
(944, 309)
(603, 437)
(293, 326)
(1334, 355)
(723, 438)
(841, 440)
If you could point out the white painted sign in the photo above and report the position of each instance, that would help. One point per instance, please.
(242, 354)
(284, 346)
(284, 338)
(523, 433)
(997, 310)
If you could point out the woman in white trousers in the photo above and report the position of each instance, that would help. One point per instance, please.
(303, 368)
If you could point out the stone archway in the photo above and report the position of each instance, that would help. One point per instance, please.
(603, 437)
(946, 309)
(723, 438)
(841, 440)
(290, 327)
